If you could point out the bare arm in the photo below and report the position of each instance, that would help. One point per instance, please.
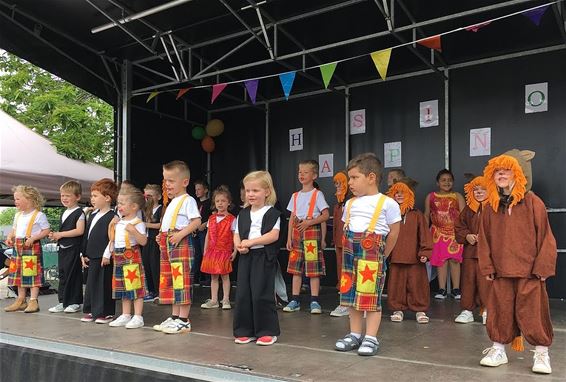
(78, 231)
(265, 239)
(461, 201)
(392, 238)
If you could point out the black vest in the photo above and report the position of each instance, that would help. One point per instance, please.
(152, 232)
(95, 244)
(69, 224)
(267, 223)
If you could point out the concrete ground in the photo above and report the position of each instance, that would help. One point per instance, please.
(438, 351)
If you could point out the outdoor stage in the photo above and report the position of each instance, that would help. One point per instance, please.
(45, 346)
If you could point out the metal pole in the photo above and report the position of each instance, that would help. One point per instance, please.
(347, 126)
(447, 120)
(126, 114)
(208, 160)
(139, 15)
(267, 136)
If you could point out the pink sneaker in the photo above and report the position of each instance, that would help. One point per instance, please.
(87, 318)
(104, 320)
(244, 340)
(266, 340)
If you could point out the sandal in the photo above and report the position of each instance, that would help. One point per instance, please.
(368, 347)
(349, 342)
(422, 318)
(397, 316)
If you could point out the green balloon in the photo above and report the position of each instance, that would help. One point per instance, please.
(198, 133)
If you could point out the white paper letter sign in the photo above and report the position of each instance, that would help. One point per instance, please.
(429, 113)
(480, 142)
(392, 154)
(296, 139)
(536, 97)
(358, 121)
(326, 165)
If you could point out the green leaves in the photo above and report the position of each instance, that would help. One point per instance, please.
(79, 125)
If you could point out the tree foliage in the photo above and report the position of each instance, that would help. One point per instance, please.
(78, 124)
(53, 216)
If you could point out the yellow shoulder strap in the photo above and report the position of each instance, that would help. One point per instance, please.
(176, 212)
(348, 209)
(30, 223)
(376, 213)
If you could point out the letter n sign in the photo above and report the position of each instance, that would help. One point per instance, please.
(480, 142)
(296, 139)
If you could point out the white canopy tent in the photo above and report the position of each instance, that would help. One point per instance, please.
(29, 158)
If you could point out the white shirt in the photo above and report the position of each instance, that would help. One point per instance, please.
(22, 220)
(303, 204)
(255, 227)
(70, 211)
(155, 209)
(363, 209)
(120, 235)
(188, 212)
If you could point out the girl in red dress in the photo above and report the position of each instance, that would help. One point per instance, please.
(219, 249)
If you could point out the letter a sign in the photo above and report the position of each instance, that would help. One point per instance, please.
(326, 165)
(296, 139)
(480, 142)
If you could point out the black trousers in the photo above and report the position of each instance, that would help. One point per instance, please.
(150, 260)
(255, 314)
(70, 289)
(98, 294)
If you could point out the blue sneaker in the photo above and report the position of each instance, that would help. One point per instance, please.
(292, 306)
(316, 308)
(149, 297)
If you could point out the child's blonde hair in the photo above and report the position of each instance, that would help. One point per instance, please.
(30, 193)
(73, 187)
(180, 166)
(264, 178)
(134, 195)
(153, 187)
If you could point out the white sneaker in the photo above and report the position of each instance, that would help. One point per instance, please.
(340, 311)
(465, 317)
(159, 327)
(122, 320)
(135, 322)
(484, 317)
(177, 326)
(541, 362)
(495, 357)
(57, 308)
(73, 308)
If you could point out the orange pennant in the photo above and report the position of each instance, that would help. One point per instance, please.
(182, 92)
(433, 42)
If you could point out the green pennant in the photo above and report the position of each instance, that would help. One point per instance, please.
(327, 71)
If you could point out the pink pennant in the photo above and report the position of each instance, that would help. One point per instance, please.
(216, 90)
(477, 27)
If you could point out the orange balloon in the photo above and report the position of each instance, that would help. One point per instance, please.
(207, 144)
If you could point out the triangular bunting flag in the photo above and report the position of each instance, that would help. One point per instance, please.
(182, 92)
(535, 15)
(477, 27)
(381, 61)
(432, 43)
(251, 87)
(151, 96)
(327, 71)
(216, 90)
(287, 80)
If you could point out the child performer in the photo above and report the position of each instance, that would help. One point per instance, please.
(219, 249)
(442, 209)
(395, 175)
(371, 226)
(304, 238)
(126, 236)
(181, 219)
(30, 226)
(474, 285)
(150, 251)
(342, 195)
(256, 238)
(408, 281)
(98, 303)
(517, 253)
(69, 240)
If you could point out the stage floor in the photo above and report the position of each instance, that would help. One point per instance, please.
(439, 351)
